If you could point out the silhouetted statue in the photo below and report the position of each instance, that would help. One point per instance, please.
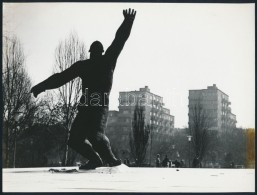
(87, 135)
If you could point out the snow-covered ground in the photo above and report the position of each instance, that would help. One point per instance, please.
(124, 179)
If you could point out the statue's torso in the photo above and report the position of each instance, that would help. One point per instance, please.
(97, 76)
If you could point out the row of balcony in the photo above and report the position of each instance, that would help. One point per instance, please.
(143, 102)
(227, 117)
(225, 101)
(227, 109)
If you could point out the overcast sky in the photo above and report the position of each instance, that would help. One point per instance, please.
(172, 47)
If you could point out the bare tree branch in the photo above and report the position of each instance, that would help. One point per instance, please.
(140, 136)
(67, 53)
(18, 105)
(199, 126)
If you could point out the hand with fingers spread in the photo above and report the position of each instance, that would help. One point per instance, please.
(129, 14)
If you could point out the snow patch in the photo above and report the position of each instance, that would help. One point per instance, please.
(125, 179)
(109, 170)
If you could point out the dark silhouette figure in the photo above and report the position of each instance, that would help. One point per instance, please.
(165, 161)
(177, 163)
(128, 162)
(197, 163)
(87, 135)
(158, 160)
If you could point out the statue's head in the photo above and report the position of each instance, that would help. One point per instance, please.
(96, 49)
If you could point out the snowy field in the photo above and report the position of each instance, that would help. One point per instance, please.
(124, 179)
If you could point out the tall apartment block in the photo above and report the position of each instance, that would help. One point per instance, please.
(119, 125)
(155, 113)
(216, 105)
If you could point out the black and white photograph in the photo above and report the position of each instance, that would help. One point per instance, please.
(128, 97)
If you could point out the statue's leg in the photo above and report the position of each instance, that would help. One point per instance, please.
(101, 144)
(85, 149)
(78, 142)
(98, 139)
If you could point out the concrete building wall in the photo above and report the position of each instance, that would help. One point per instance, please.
(119, 125)
(217, 106)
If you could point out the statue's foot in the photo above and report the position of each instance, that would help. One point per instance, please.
(91, 165)
(115, 162)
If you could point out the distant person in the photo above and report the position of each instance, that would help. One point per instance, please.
(158, 161)
(196, 163)
(128, 162)
(232, 165)
(177, 163)
(165, 161)
(87, 135)
(136, 163)
(170, 163)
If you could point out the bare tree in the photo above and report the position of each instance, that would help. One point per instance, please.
(68, 52)
(49, 115)
(18, 105)
(198, 126)
(139, 136)
(231, 146)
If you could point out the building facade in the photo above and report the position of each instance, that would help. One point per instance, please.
(216, 105)
(119, 125)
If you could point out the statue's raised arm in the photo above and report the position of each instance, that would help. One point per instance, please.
(122, 34)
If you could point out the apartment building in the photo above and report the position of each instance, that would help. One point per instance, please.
(216, 105)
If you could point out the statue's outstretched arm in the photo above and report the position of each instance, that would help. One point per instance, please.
(122, 34)
(58, 79)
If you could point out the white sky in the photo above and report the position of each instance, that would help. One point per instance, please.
(172, 47)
